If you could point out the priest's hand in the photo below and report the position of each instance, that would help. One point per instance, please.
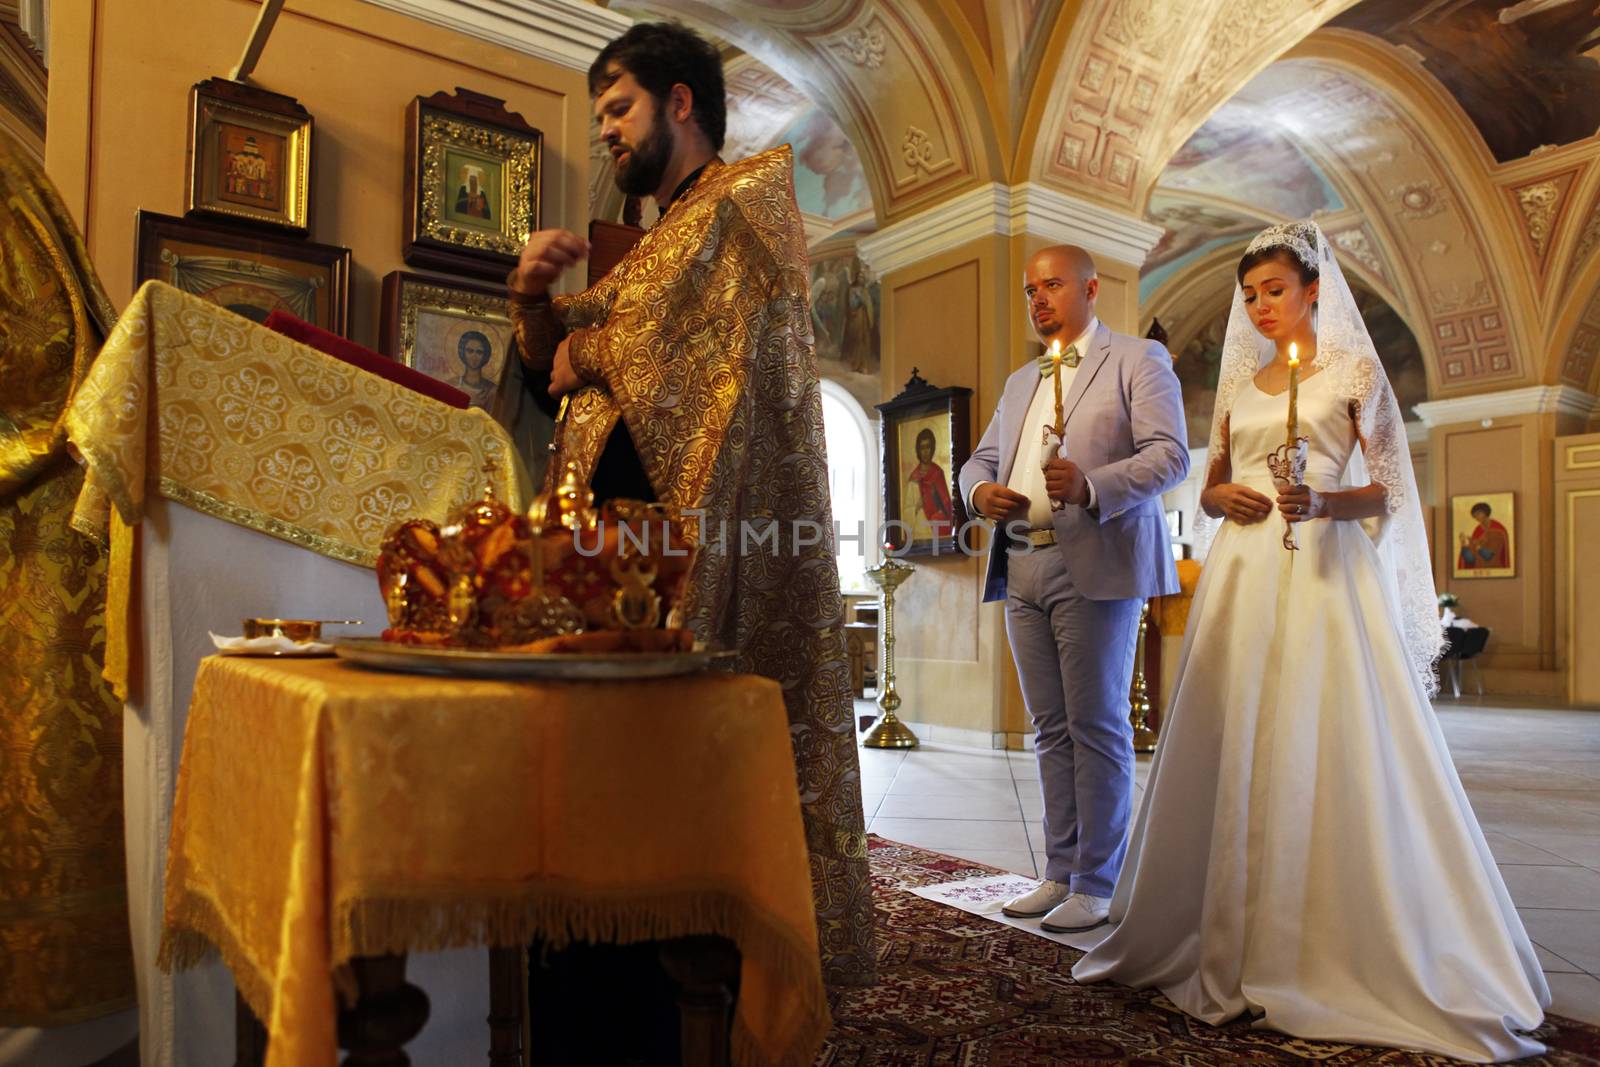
(544, 257)
(563, 379)
(1064, 481)
(995, 501)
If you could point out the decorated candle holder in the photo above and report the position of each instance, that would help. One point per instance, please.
(1287, 465)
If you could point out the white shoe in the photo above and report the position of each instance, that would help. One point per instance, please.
(1079, 911)
(1040, 899)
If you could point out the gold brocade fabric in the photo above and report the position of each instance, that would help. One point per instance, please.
(1171, 613)
(700, 339)
(324, 812)
(237, 421)
(64, 949)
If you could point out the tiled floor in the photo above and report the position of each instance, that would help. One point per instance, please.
(1533, 777)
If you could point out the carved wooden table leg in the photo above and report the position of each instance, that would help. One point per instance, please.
(388, 1013)
(249, 1035)
(706, 970)
(507, 999)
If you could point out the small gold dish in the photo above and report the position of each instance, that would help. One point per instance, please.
(299, 631)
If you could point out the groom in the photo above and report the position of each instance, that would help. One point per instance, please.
(1082, 544)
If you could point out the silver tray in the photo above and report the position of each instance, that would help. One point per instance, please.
(468, 663)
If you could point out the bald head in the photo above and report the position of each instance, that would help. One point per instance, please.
(1065, 260)
(1060, 285)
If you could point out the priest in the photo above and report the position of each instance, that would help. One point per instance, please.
(690, 379)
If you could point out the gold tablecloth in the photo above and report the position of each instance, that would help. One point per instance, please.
(325, 812)
(232, 419)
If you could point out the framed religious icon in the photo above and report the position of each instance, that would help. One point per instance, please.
(472, 183)
(249, 155)
(926, 439)
(457, 332)
(1483, 535)
(246, 270)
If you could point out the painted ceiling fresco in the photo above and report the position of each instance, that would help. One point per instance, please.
(1527, 72)
(828, 177)
(1242, 153)
(759, 102)
(1239, 172)
(1192, 230)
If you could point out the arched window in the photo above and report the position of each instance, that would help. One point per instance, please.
(852, 440)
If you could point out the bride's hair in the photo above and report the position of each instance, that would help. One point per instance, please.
(1282, 254)
(1292, 243)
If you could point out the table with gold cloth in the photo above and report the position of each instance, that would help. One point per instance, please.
(237, 473)
(325, 812)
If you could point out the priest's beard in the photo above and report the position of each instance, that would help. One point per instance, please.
(647, 161)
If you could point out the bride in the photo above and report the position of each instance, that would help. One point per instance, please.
(1305, 852)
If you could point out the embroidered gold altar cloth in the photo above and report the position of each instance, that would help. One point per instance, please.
(325, 812)
(234, 420)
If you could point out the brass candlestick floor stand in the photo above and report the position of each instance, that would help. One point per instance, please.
(888, 731)
(1144, 738)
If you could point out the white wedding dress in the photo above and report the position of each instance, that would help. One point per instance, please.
(1305, 852)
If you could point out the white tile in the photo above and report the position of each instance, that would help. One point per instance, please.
(1576, 848)
(1576, 996)
(1032, 800)
(1572, 935)
(1025, 772)
(1519, 812)
(1039, 860)
(1511, 850)
(958, 764)
(942, 835)
(879, 761)
(870, 803)
(914, 781)
(1015, 861)
(1550, 963)
(903, 806)
(1576, 888)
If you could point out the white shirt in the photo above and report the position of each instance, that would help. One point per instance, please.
(1027, 467)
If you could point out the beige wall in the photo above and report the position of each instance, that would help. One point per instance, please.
(1576, 460)
(959, 317)
(1510, 454)
(120, 79)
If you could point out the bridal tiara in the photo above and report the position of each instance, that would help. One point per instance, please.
(1301, 238)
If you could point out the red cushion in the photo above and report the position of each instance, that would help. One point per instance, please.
(365, 358)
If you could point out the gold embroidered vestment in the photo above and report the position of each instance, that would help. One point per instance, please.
(65, 954)
(700, 341)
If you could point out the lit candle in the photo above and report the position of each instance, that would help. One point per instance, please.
(1294, 397)
(1055, 358)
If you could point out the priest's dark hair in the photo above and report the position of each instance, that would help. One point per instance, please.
(660, 55)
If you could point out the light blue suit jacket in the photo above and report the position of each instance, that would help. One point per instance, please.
(1126, 429)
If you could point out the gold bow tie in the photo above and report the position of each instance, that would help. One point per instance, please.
(1047, 362)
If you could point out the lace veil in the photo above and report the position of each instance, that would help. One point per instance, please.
(1345, 351)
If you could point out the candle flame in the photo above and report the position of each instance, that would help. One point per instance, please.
(1294, 354)
(1055, 350)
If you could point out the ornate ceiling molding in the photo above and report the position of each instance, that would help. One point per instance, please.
(567, 33)
(1137, 77)
(1532, 400)
(1540, 207)
(898, 76)
(997, 210)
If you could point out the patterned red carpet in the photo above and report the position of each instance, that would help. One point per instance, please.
(957, 990)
